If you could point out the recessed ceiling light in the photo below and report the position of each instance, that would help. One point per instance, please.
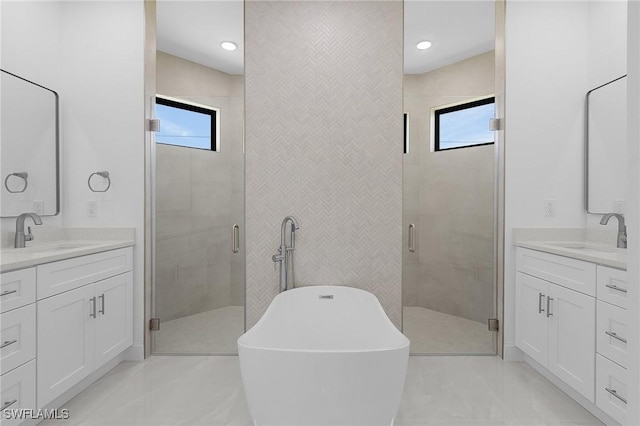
(423, 45)
(229, 45)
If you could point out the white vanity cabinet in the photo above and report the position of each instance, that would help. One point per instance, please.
(80, 329)
(555, 324)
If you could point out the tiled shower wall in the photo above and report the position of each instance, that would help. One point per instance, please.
(324, 143)
(200, 195)
(449, 196)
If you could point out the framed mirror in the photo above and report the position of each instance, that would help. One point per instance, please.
(606, 147)
(29, 144)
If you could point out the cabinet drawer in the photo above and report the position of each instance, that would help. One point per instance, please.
(17, 288)
(18, 391)
(612, 286)
(17, 337)
(612, 332)
(58, 277)
(611, 389)
(571, 273)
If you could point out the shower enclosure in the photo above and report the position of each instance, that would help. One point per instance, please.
(449, 287)
(198, 292)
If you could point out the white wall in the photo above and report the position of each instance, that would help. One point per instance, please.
(103, 120)
(546, 78)
(92, 54)
(607, 41)
(31, 40)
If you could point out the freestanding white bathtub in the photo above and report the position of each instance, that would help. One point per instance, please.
(323, 355)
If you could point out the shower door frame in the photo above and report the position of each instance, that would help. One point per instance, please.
(499, 180)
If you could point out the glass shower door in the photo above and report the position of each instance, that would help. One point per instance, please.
(199, 285)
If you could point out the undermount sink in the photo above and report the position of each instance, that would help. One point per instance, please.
(590, 248)
(57, 247)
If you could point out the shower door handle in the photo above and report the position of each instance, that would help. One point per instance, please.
(235, 238)
(412, 237)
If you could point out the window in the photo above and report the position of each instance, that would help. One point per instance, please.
(464, 125)
(187, 124)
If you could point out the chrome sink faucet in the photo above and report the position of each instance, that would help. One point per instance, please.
(285, 252)
(622, 228)
(20, 236)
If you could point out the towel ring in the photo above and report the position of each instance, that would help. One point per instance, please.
(21, 175)
(105, 175)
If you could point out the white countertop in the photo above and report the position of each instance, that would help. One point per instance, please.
(37, 254)
(602, 254)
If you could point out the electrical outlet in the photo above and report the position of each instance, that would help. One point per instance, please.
(618, 206)
(549, 208)
(38, 207)
(92, 208)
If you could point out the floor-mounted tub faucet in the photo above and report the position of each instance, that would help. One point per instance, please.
(285, 252)
(20, 239)
(622, 228)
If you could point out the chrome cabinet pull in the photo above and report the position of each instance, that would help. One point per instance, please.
(102, 303)
(8, 404)
(540, 308)
(615, 287)
(615, 336)
(412, 238)
(4, 293)
(615, 393)
(235, 238)
(93, 313)
(549, 299)
(7, 343)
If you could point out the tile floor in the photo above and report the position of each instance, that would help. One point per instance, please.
(439, 390)
(433, 332)
(210, 332)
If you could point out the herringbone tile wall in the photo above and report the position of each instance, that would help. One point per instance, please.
(324, 143)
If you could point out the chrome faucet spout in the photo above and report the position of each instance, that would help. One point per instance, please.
(21, 238)
(285, 252)
(622, 228)
(283, 229)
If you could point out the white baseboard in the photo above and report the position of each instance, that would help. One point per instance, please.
(512, 353)
(135, 352)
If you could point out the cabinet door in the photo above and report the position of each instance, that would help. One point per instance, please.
(531, 321)
(114, 324)
(572, 339)
(65, 342)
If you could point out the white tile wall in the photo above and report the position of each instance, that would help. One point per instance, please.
(324, 143)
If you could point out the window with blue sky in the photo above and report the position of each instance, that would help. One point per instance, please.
(185, 124)
(464, 125)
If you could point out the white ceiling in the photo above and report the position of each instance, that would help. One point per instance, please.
(193, 30)
(457, 29)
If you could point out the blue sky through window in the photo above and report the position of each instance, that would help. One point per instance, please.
(183, 128)
(466, 127)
